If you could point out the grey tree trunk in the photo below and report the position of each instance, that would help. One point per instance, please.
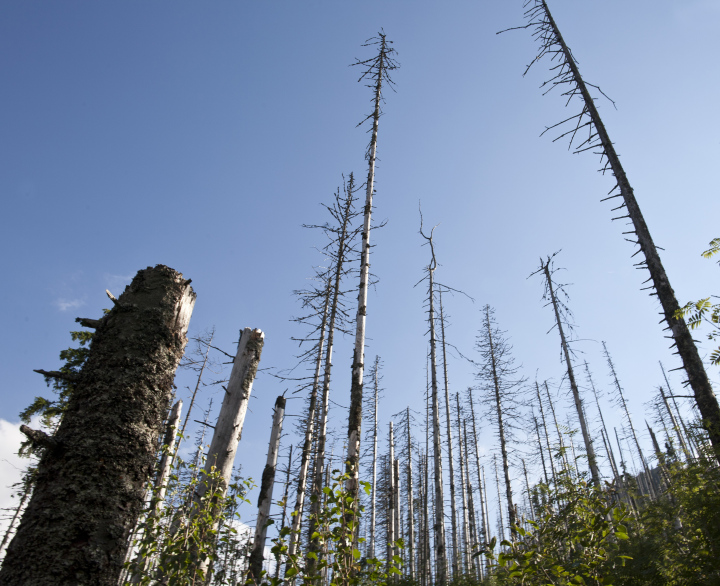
(557, 428)
(229, 426)
(411, 511)
(391, 499)
(451, 461)
(283, 522)
(512, 521)
(171, 433)
(266, 491)
(90, 482)
(484, 533)
(439, 525)
(309, 433)
(161, 479)
(463, 492)
(697, 377)
(589, 449)
(371, 551)
(619, 389)
(192, 399)
(396, 504)
(378, 71)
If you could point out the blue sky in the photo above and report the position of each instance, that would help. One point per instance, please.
(202, 135)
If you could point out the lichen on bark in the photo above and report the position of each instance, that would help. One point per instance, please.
(89, 491)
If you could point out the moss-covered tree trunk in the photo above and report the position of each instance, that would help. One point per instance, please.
(91, 477)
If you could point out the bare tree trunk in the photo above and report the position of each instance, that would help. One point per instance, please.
(160, 487)
(309, 433)
(475, 538)
(542, 451)
(90, 482)
(557, 427)
(439, 527)
(229, 426)
(589, 450)
(284, 509)
(501, 429)
(371, 551)
(378, 68)
(411, 511)
(451, 465)
(611, 366)
(697, 377)
(501, 520)
(484, 535)
(396, 505)
(390, 500)
(195, 391)
(266, 491)
(465, 520)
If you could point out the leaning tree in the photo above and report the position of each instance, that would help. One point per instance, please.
(588, 133)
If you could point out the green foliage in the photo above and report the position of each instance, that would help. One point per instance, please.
(338, 555)
(576, 540)
(676, 540)
(49, 410)
(175, 541)
(697, 312)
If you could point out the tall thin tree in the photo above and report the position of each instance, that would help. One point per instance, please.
(567, 75)
(376, 70)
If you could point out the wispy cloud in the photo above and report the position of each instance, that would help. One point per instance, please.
(65, 304)
(117, 283)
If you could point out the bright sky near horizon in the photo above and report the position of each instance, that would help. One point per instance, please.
(202, 135)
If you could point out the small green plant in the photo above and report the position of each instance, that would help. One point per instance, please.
(697, 312)
(338, 555)
(576, 539)
(175, 543)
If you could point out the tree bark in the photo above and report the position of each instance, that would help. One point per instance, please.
(390, 499)
(465, 520)
(89, 489)
(266, 491)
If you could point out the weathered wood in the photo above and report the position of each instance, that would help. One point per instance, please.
(89, 492)
(229, 426)
(266, 492)
(465, 520)
(391, 517)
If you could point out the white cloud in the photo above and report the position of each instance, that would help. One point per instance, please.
(65, 304)
(11, 468)
(116, 283)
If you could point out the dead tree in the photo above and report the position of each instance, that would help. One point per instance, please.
(391, 517)
(559, 309)
(375, 374)
(451, 464)
(411, 512)
(484, 527)
(376, 70)
(497, 375)
(91, 477)
(266, 491)
(283, 517)
(439, 525)
(342, 235)
(623, 404)
(567, 75)
(228, 428)
(463, 492)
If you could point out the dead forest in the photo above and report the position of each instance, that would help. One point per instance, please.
(118, 491)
